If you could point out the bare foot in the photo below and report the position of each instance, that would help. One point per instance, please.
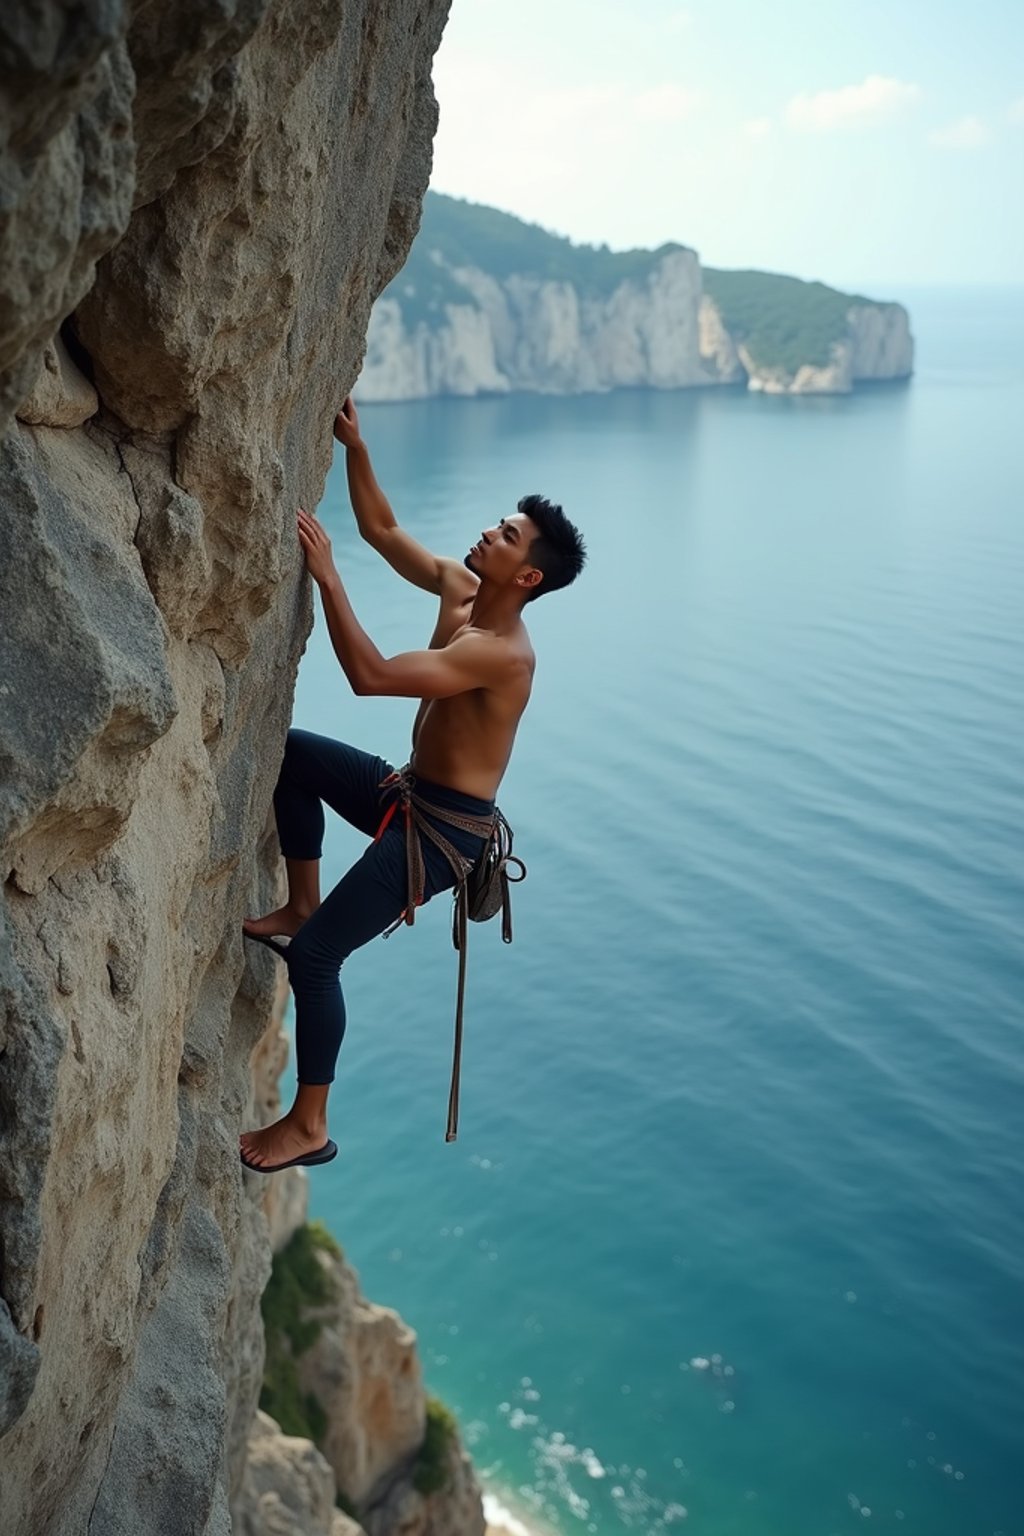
(282, 1141)
(286, 920)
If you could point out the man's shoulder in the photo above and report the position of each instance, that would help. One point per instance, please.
(505, 659)
(458, 583)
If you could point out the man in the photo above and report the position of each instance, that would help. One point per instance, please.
(473, 683)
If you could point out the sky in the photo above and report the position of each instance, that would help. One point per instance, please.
(871, 145)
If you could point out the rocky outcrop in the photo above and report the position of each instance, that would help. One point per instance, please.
(199, 203)
(288, 1488)
(881, 346)
(878, 346)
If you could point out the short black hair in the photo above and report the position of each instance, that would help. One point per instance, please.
(558, 549)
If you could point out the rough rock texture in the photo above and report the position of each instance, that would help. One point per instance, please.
(62, 396)
(456, 1510)
(203, 199)
(288, 1488)
(525, 333)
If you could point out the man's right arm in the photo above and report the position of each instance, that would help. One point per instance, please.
(377, 523)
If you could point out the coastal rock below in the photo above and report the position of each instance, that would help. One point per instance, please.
(288, 1489)
(455, 1510)
(357, 1374)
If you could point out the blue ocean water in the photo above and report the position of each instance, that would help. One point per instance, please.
(732, 1238)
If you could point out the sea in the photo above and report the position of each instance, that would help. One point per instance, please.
(731, 1240)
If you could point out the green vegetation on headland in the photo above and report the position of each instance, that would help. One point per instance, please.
(298, 1282)
(782, 321)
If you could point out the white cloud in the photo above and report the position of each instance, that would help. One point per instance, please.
(851, 106)
(965, 133)
(532, 146)
(757, 127)
(1015, 111)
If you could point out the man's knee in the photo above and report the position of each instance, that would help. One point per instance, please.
(297, 746)
(311, 961)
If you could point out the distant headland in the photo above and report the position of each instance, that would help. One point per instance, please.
(488, 304)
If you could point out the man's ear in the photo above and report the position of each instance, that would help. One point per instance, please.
(530, 578)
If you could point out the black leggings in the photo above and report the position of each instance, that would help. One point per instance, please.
(373, 893)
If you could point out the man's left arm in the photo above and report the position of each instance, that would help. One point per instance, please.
(473, 661)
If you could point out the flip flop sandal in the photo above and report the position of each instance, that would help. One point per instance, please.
(264, 938)
(325, 1154)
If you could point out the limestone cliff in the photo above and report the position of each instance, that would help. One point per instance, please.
(199, 201)
(488, 304)
(527, 332)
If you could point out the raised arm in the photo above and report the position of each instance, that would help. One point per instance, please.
(472, 661)
(377, 523)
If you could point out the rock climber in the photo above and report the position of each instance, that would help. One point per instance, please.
(473, 683)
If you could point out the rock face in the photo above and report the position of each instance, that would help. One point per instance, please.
(199, 203)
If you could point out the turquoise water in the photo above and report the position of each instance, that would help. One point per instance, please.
(747, 1087)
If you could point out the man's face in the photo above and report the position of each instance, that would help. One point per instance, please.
(504, 550)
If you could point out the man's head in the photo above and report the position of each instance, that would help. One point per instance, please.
(537, 549)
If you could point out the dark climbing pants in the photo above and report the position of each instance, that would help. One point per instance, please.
(317, 771)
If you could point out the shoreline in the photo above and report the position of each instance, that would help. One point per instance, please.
(503, 1521)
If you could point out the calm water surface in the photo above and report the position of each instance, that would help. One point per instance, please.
(732, 1238)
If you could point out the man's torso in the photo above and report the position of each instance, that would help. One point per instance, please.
(465, 741)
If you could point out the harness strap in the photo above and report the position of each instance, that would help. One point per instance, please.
(415, 810)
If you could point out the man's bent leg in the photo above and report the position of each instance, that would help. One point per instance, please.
(316, 769)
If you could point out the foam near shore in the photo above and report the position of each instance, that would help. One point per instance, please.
(502, 1522)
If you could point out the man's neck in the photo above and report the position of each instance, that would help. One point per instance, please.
(496, 609)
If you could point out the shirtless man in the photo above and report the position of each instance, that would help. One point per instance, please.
(473, 684)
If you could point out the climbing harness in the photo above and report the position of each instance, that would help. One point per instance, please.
(481, 885)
